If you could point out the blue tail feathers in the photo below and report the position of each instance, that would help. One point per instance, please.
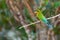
(50, 26)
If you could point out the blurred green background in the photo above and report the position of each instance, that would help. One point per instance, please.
(9, 26)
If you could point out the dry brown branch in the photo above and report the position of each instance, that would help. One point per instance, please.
(40, 21)
(29, 8)
(32, 16)
(17, 13)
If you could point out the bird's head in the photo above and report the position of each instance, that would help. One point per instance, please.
(37, 11)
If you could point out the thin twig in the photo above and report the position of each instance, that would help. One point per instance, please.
(38, 21)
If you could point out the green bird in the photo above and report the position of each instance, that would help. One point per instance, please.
(41, 17)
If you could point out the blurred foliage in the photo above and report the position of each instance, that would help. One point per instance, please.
(6, 16)
(56, 30)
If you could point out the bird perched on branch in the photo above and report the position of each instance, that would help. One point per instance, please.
(41, 17)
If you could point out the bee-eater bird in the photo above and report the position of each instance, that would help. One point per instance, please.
(41, 17)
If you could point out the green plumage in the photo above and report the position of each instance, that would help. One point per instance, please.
(41, 17)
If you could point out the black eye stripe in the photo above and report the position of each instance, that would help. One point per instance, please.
(37, 10)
